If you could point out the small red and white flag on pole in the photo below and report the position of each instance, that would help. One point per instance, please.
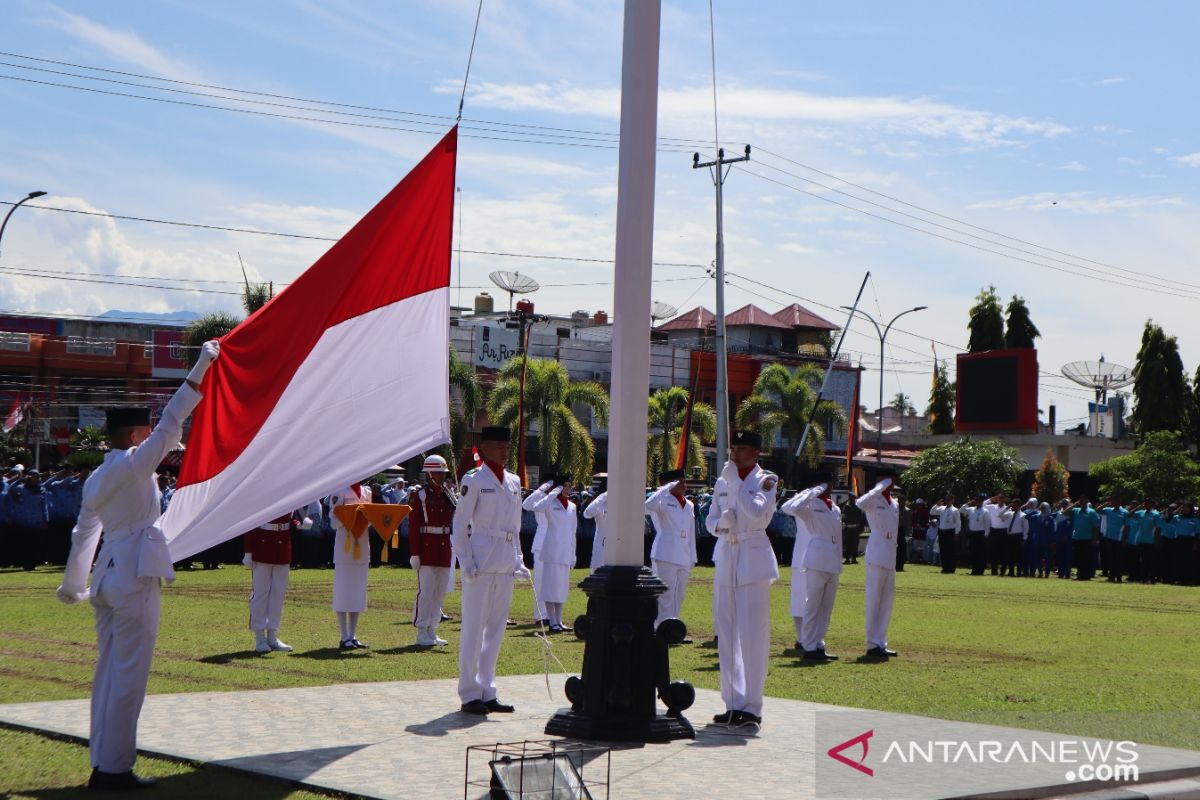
(15, 415)
(304, 398)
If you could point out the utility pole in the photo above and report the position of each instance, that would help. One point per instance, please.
(719, 173)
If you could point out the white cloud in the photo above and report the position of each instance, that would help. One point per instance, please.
(1110, 81)
(1191, 160)
(684, 108)
(1081, 202)
(125, 47)
(1073, 166)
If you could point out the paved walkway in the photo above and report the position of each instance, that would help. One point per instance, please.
(407, 740)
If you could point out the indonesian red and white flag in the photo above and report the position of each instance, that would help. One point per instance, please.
(342, 374)
(15, 415)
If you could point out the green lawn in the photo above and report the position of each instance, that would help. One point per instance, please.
(1098, 659)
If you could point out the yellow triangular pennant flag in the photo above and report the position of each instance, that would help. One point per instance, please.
(385, 518)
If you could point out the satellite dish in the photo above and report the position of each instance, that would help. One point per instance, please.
(514, 283)
(1098, 375)
(660, 311)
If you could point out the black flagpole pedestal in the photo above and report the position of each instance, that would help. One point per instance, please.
(625, 664)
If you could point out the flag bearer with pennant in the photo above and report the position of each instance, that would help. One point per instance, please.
(351, 561)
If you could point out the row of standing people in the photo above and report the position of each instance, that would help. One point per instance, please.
(37, 513)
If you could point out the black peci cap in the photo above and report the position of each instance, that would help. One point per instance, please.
(115, 418)
(748, 438)
(670, 475)
(495, 433)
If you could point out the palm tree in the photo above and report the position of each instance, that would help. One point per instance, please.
(667, 410)
(550, 396)
(783, 401)
(465, 407)
(218, 323)
(903, 403)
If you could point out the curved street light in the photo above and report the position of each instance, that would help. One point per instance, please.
(17, 205)
(882, 332)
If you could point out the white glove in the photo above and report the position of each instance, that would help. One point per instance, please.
(208, 354)
(247, 560)
(71, 598)
(885, 483)
(545, 487)
(523, 573)
(414, 562)
(469, 573)
(820, 488)
(728, 519)
(306, 524)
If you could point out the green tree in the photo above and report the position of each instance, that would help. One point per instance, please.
(903, 403)
(204, 328)
(782, 401)
(986, 322)
(1160, 387)
(964, 467)
(550, 395)
(465, 402)
(88, 446)
(941, 402)
(1020, 331)
(1050, 482)
(13, 447)
(256, 295)
(1160, 468)
(667, 408)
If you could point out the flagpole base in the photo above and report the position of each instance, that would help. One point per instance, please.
(626, 668)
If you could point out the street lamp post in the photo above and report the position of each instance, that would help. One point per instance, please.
(882, 332)
(16, 205)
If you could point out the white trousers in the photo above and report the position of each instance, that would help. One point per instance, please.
(881, 590)
(350, 587)
(268, 587)
(742, 618)
(539, 578)
(597, 551)
(821, 588)
(126, 627)
(797, 599)
(485, 602)
(432, 583)
(675, 577)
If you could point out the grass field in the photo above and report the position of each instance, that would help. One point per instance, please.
(1095, 659)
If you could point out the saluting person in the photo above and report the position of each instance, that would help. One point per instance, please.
(597, 510)
(883, 518)
(742, 507)
(949, 522)
(429, 542)
(821, 561)
(121, 499)
(673, 553)
(486, 537)
(557, 553)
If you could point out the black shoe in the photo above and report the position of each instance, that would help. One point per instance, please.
(360, 645)
(118, 781)
(823, 656)
(476, 707)
(889, 653)
(686, 640)
(746, 722)
(347, 644)
(510, 623)
(446, 618)
(726, 718)
(877, 652)
(557, 629)
(498, 707)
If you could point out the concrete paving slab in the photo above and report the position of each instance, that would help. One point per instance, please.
(408, 740)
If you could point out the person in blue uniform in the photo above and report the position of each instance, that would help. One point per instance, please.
(1114, 515)
(1085, 530)
(29, 509)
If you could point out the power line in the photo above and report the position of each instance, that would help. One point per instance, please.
(1111, 281)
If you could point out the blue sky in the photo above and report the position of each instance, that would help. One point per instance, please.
(1067, 126)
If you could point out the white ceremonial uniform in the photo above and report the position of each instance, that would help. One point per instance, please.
(121, 498)
(798, 598)
(822, 561)
(539, 536)
(598, 510)
(883, 518)
(486, 537)
(673, 553)
(557, 553)
(745, 569)
(350, 570)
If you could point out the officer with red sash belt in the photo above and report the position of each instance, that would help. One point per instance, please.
(429, 542)
(269, 550)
